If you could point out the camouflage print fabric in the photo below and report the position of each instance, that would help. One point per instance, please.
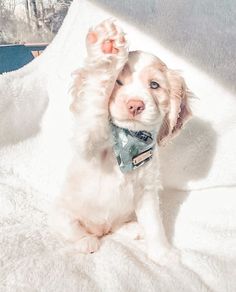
(132, 149)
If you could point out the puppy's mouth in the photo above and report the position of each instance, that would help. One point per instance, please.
(132, 123)
(132, 118)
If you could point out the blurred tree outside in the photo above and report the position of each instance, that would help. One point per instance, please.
(30, 21)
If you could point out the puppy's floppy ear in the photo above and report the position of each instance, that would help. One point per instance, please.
(179, 111)
(79, 77)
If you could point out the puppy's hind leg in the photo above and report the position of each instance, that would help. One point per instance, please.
(71, 229)
(131, 230)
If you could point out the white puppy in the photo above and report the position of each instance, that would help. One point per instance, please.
(125, 105)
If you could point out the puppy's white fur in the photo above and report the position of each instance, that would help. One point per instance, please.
(97, 197)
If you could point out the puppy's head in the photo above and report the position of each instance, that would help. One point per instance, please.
(149, 96)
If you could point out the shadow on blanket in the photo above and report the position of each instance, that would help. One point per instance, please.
(204, 139)
(200, 31)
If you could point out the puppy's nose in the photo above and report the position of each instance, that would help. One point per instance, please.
(135, 106)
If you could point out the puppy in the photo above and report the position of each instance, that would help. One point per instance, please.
(125, 105)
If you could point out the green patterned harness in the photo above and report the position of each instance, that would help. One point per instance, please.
(132, 149)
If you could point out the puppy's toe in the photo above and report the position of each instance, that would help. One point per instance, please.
(88, 244)
(107, 39)
(132, 230)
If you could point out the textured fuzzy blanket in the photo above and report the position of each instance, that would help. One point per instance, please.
(199, 175)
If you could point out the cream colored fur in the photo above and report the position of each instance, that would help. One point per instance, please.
(97, 198)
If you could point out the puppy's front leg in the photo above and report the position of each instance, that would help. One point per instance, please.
(107, 55)
(148, 215)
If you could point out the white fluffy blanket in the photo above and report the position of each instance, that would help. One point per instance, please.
(199, 174)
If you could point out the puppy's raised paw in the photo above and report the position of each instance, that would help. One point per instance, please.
(107, 40)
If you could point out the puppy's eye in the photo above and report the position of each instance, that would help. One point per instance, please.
(119, 82)
(154, 85)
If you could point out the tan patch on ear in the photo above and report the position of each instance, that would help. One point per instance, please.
(179, 112)
(153, 71)
(159, 65)
(125, 75)
(164, 131)
(183, 116)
